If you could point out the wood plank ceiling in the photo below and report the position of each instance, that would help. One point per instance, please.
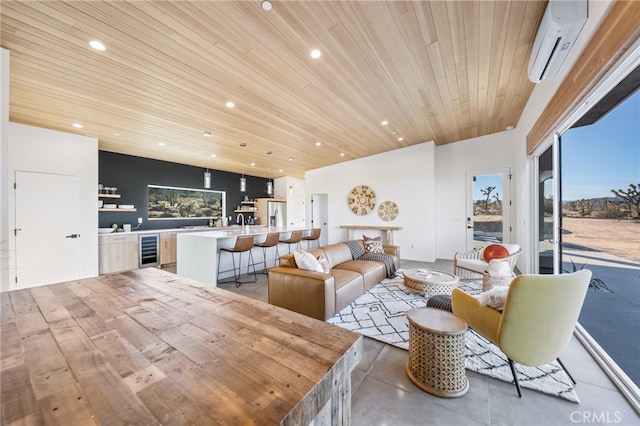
(440, 71)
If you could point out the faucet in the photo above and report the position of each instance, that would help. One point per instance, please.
(240, 216)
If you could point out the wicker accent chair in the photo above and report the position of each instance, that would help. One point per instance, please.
(471, 264)
(537, 321)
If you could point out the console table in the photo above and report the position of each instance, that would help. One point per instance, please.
(149, 347)
(389, 230)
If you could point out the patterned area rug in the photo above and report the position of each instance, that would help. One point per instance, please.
(380, 314)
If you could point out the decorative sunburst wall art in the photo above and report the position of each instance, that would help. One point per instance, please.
(388, 210)
(362, 200)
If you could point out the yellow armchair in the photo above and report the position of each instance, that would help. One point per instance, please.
(537, 321)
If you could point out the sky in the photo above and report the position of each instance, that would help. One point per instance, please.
(604, 155)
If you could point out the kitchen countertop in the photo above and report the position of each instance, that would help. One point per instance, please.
(198, 253)
(195, 229)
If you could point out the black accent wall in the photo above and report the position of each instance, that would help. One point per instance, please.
(131, 175)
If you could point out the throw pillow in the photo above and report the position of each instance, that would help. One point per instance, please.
(494, 251)
(325, 264)
(307, 261)
(372, 245)
(493, 298)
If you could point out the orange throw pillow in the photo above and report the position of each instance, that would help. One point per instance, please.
(495, 251)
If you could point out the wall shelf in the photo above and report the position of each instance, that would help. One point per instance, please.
(117, 210)
(108, 195)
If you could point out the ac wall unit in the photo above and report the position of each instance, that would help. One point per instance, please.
(561, 24)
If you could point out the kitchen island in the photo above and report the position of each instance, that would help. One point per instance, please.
(148, 347)
(197, 252)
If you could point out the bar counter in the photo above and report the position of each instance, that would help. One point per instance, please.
(197, 252)
(149, 347)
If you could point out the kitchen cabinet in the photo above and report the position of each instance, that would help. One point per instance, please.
(168, 248)
(117, 252)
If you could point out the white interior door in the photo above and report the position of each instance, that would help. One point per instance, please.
(320, 216)
(488, 207)
(47, 228)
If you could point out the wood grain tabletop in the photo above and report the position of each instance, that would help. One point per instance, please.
(149, 347)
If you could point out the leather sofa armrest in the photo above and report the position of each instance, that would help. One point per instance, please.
(288, 261)
(306, 292)
(483, 319)
(392, 250)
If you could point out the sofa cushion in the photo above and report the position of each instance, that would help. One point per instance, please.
(476, 265)
(372, 245)
(372, 272)
(337, 254)
(348, 286)
(307, 261)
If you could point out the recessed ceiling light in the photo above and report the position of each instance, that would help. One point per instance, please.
(116, 134)
(384, 123)
(95, 44)
(213, 155)
(281, 171)
(342, 154)
(266, 5)
(207, 134)
(161, 143)
(315, 53)
(290, 159)
(509, 127)
(318, 143)
(400, 139)
(230, 104)
(253, 164)
(77, 125)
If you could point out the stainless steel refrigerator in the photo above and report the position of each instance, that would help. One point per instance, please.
(277, 213)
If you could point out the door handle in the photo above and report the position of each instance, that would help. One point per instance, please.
(469, 227)
(73, 236)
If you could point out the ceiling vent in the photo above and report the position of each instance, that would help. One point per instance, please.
(561, 24)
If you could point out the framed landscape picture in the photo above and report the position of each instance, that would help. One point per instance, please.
(168, 202)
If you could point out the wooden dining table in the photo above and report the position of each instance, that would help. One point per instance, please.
(149, 347)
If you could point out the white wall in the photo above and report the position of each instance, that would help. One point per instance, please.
(405, 176)
(48, 151)
(453, 161)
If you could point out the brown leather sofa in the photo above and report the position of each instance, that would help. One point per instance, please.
(321, 295)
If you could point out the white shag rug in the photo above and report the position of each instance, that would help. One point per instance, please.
(380, 313)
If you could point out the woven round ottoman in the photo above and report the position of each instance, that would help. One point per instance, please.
(436, 352)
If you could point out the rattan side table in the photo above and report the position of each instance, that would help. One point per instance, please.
(436, 352)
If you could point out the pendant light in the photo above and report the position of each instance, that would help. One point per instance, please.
(243, 184)
(269, 181)
(207, 179)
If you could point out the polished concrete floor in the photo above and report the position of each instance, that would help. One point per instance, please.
(383, 394)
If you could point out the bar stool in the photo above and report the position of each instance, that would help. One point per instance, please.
(313, 236)
(243, 244)
(295, 238)
(271, 241)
